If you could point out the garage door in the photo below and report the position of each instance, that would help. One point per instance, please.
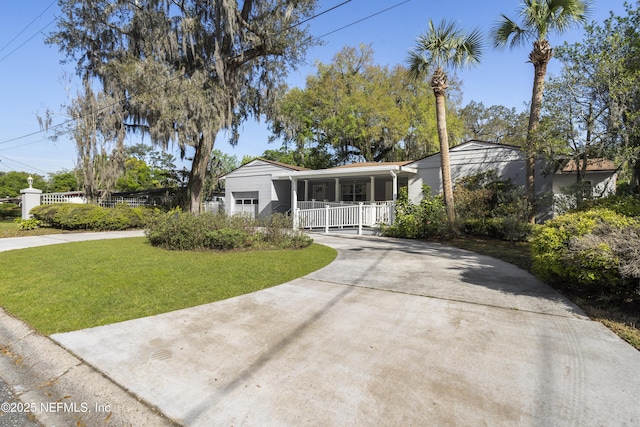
(247, 206)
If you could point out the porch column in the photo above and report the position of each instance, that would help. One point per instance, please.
(372, 190)
(294, 201)
(306, 190)
(337, 189)
(394, 186)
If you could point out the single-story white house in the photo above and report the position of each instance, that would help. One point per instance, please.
(263, 187)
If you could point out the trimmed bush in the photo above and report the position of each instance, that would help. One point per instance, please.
(591, 251)
(69, 216)
(9, 210)
(182, 231)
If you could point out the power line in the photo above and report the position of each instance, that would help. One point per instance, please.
(27, 27)
(24, 165)
(363, 19)
(169, 80)
(25, 144)
(28, 40)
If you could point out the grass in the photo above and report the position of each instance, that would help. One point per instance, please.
(8, 228)
(67, 287)
(623, 320)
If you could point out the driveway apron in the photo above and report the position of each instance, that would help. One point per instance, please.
(393, 332)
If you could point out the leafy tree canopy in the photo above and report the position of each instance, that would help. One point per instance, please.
(496, 123)
(63, 181)
(182, 71)
(357, 110)
(12, 182)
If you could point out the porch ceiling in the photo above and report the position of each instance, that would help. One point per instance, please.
(380, 170)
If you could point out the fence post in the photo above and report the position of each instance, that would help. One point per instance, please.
(326, 218)
(30, 198)
(360, 219)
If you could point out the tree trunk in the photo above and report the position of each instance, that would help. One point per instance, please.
(439, 86)
(198, 173)
(539, 57)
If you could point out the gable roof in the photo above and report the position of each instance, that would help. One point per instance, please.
(593, 165)
(372, 164)
(259, 160)
(283, 165)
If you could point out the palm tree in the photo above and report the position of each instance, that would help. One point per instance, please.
(440, 48)
(538, 19)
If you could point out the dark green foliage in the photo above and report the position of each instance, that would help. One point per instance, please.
(69, 216)
(623, 205)
(12, 182)
(9, 210)
(426, 219)
(597, 252)
(489, 207)
(182, 231)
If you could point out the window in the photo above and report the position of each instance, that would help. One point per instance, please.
(354, 192)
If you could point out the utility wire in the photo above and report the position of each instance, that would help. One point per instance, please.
(24, 165)
(28, 40)
(61, 124)
(27, 27)
(220, 58)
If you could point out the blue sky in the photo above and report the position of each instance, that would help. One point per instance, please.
(32, 79)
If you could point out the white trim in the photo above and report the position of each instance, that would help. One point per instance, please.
(346, 172)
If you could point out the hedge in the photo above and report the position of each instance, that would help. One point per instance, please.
(177, 230)
(70, 216)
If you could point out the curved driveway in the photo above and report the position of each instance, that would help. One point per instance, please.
(391, 333)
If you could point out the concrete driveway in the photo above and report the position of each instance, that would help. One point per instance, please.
(392, 333)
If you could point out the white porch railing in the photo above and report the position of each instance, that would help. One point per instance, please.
(350, 215)
(315, 204)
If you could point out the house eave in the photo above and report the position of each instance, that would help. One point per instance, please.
(346, 172)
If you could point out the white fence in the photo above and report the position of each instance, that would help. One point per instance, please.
(51, 198)
(359, 215)
(315, 204)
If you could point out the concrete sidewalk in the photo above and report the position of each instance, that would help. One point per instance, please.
(11, 243)
(391, 333)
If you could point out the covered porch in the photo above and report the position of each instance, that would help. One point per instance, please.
(358, 195)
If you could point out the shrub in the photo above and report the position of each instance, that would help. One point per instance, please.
(69, 216)
(426, 219)
(226, 239)
(623, 205)
(182, 231)
(607, 261)
(489, 207)
(589, 250)
(27, 224)
(9, 210)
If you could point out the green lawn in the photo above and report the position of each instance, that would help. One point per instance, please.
(8, 228)
(66, 287)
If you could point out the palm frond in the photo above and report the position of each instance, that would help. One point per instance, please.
(565, 14)
(543, 16)
(445, 45)
(507, 32)
(419, 65)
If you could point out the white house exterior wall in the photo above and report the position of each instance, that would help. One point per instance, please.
(253, 177)
(603, 182)
(469, 160)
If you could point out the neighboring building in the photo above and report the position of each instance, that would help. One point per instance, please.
(262, 187)
(601, 175)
